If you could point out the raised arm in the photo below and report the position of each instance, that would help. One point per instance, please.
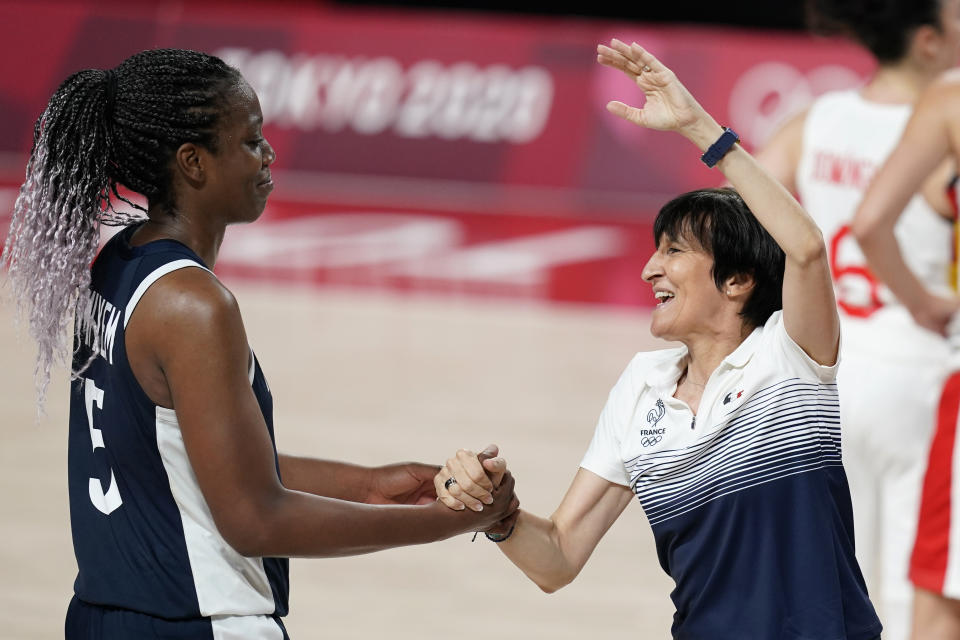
(809, 308)
(930, 135)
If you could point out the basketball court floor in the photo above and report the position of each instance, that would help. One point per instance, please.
(376, 378)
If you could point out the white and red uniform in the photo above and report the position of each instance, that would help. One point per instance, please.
(935, 563)
(891, 369)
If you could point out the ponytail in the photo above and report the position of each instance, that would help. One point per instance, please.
(57, 215)
(100, 129)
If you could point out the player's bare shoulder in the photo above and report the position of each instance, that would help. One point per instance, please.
(187, 306)
(192, 295)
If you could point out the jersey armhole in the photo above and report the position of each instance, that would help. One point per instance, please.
(155, 275)
(152, 277)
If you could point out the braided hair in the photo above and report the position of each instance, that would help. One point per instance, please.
(884, 27)
(101, 129)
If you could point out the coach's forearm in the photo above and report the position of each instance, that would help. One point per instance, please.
(535, 547)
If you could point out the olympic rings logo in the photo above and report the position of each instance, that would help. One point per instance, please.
(650, 441)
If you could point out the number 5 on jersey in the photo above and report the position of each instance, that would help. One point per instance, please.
(109, 501)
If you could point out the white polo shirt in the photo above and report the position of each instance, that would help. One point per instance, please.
(748, 500)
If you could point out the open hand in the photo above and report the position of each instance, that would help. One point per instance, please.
(668, 107)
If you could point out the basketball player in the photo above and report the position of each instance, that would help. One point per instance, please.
(732, 440)
(932, 134)
(891, 367)
(183, 513)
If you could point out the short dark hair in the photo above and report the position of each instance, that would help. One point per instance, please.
(720, 222)
(884, 27)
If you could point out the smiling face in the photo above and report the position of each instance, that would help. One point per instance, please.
(688, 301)
(239, 169)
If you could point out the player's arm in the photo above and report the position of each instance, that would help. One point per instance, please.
(781, 155)
(552, 551)
(809, 308)
(400, 483)
(330, 478)
(197, 338)
(926, 142)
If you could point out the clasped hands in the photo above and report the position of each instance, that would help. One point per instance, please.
(468, 481)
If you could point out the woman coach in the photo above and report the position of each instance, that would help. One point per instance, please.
(732, 440)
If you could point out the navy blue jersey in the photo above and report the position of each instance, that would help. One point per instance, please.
(144, 537)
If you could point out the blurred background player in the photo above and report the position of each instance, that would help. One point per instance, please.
(891, 366)
(931, 135)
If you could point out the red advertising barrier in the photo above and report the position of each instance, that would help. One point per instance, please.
(453, 253)
(461, 253)
(496, 123)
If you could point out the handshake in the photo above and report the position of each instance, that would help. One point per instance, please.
(469, 481)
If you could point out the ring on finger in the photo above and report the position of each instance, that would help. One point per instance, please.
(646, 67)
(449, 481)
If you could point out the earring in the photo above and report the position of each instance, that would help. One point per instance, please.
(728, 292)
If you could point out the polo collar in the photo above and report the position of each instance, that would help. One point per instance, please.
(665, 377)
(742, 354)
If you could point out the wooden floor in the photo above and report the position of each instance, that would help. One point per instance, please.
(373, 378)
